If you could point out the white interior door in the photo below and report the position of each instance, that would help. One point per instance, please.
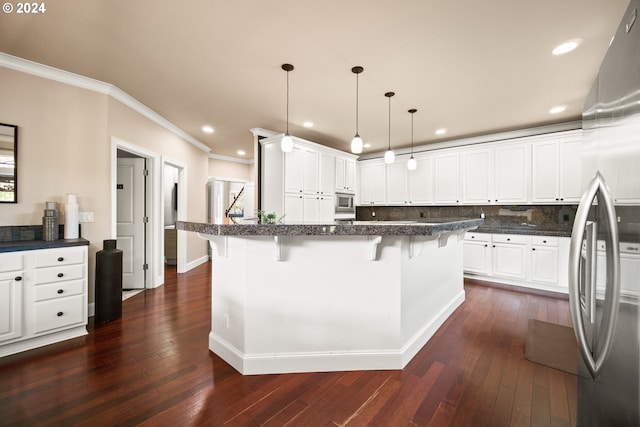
(130, 221)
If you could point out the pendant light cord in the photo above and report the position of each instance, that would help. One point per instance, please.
(287, 102)
(357, 88)
(389, 123)
(412, 134)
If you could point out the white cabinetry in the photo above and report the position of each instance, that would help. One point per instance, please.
(51, 299)
(397, 183)
(532, 261)
(477, 176)
(512, 173)
(556, 170)
(544, 259)
(477, 253)
(372, 182)
(300, 185)
(345, 174)
(447, 178)
(405, 187)
(509, 256)
(11, 295)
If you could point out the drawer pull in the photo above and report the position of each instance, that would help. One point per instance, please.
(508, 239)
(486, 246)
(60, 314)
(60, 258)
(534, 249)
(544, 241)
(60, 274)
(17, 279)
(473, 237)
(60, 291)
(631, 248)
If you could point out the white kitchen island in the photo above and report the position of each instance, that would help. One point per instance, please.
(310, 298)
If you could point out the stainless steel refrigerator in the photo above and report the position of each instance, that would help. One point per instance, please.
(605, 317)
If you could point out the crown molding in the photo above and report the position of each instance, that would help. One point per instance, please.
(230, 159)
(72, 79)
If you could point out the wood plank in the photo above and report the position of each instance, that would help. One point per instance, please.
(153, 367)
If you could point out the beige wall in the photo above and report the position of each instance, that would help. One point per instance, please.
(64, 147)
(226, 169)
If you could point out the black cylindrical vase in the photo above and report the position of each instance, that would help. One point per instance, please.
(108, 283)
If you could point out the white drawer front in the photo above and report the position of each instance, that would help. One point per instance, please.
(510, 238)
(544, 241)
(59, 290)
(60, 256)
(59, 313)
(630, 248)
(477, 237)
(11, 262)
(59, 274)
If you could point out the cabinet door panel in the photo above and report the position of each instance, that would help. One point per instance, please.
(310, 171)
(477, 258)
(293, 208)
(511, 173)
(421, 181)
(544, 264)
(571, 171)
(293, 175)
(476, 176)
(545, 176)
(397, 185)
(509, 261)
(447, 178)
(372, 183)
(10, 306)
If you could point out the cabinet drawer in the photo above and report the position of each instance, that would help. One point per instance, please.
(510, 238)
(61, 256)
(630, 248)
(544, 241)
(11, 262)
(59, 313)
(59, 290)
(477, 237)
(59, 274)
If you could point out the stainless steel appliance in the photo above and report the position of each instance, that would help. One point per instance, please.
(607, 325)
(345, 204)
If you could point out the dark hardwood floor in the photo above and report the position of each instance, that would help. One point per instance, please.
(153, 367)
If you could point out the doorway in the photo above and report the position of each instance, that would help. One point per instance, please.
(132, 218)
(174, 209)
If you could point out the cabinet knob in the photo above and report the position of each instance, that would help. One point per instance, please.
(60, 291)
(544, 241)
(60, 274)
(60, 258)
(473, 237)
(489, 200)
(486, 246)
(508, 239)
(534, 249)
(60, 314)
(493, 246)
(17, 279)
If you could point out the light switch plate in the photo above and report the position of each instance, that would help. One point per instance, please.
(85, 217)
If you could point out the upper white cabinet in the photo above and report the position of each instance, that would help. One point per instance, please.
(405, 187)
(511, 172)
(301, 184)
(447, 178)
(477, 176)
(556, 169)
(372, 182)
(345, 174)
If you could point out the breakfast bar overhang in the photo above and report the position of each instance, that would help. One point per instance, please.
(330, 297)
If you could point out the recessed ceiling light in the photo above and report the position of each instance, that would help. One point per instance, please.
(207, 129)
(366, 145)
(441, 131)
(308, 124)
(558, 109)
(566, 47)
(241, 152)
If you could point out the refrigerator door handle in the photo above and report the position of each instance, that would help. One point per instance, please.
(595, 356)
(590, 277)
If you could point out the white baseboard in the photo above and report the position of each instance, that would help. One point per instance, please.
(196, 262)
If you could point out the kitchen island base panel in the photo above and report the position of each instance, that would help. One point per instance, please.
(283, 304)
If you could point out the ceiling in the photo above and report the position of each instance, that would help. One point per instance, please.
(472, 67)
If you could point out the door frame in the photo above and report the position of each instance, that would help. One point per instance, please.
(155, 274)
(182, 211)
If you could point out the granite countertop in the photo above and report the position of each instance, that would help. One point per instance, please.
(527, 230)
(339, 228)
(28, 245)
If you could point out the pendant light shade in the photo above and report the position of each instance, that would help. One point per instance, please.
(389, 156)
(412, 164)
(356, 142)
(286, 144)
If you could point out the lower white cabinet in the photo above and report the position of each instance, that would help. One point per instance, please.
(509, 256)
(532, 261)
(43, 297)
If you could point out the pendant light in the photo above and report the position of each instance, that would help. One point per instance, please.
(411, 164)
(286, 144)
(389, 156)
(356, 142)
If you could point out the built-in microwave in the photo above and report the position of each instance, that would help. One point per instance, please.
(344, 203)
